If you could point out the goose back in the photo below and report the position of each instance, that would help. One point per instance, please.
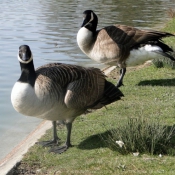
(79, 86)
(112, 45)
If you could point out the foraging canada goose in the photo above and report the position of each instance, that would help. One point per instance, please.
(119, 45)
(59, 92)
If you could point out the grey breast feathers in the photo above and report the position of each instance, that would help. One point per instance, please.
(79, 86)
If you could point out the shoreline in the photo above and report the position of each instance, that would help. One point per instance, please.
(16, 155)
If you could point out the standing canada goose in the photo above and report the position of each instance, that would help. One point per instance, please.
(119, 45)
(59, 92)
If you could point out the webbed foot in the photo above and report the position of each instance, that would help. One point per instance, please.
(49, 143)
(53, 142)
(60, 149)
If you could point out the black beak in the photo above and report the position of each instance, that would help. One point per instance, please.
(24, 53)
(24, 57)
(84, 22)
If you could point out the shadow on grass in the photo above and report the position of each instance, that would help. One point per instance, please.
(107, 140)
(94, 141)
(160, 82)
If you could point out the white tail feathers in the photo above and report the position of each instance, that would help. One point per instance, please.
(151, 48)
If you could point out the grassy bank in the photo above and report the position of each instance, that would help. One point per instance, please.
(170, 27)
(149, 94)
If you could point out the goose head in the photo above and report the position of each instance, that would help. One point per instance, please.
(90, 20)
(26, 63)
(25, 54)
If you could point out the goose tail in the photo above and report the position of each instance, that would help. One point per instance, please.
(111, 94)
(165, 54)
(166, 50)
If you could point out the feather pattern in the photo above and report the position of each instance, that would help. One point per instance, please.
(81, 85)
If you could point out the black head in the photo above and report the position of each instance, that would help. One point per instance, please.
(25, 54)
(28, 74)
(90, 20)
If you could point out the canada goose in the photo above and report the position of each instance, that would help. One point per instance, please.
(119, 45)
(58, 91)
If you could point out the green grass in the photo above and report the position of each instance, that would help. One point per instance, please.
(165, 62)
(170, 27)
(149, 94)
(140, 135)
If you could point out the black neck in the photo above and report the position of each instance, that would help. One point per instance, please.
(28, 74)
(91, 27)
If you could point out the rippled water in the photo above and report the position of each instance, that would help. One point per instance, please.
(49, 27)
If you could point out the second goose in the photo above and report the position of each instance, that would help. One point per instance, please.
(59, 92)
(119, 45)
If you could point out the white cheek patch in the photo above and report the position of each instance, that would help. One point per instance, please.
(92, 18)
(25, 62)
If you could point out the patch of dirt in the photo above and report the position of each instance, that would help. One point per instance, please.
(114, 74)
(24, 169)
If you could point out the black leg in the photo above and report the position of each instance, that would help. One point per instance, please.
(63, 148)
(69, 129)
(55, 140)
(122, 74)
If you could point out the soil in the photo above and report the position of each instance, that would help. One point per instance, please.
(23, 169)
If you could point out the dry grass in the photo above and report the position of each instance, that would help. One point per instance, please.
(171, 13)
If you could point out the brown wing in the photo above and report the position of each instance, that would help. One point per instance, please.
(131, 37)
(86, 91)
(80, 87)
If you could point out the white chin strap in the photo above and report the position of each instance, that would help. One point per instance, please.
(92, 17)
(25, 62)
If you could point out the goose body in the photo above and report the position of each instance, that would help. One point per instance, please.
(33, 102)
(48, 98)
(59, 92)
(120, 45)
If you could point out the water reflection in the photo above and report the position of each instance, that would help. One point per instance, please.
(62, 21)
(49, 27)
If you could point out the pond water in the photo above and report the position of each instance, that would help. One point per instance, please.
(49, 27)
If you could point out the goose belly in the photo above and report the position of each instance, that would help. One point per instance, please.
(61, 112)
(30, 101)
(109, 58)
(138, 57)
